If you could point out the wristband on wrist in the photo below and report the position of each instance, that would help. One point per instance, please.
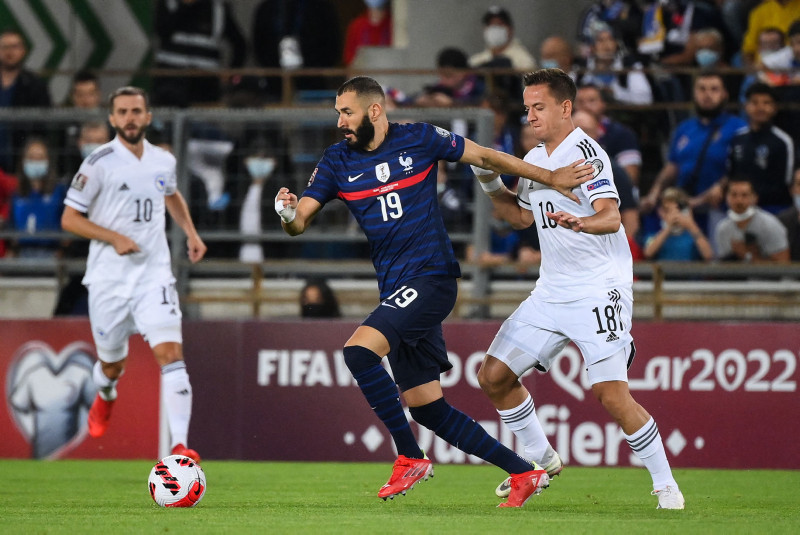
(492, 186)
(287, 213)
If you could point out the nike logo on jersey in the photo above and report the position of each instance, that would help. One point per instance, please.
(388, 305)
(124, 187)
(352, 178)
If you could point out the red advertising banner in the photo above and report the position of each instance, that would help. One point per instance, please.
(47, 371)
(721, 393)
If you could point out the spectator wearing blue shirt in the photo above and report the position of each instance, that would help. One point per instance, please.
(679, 237)
(698, 151)
(37, 206)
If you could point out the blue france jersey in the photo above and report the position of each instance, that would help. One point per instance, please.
(391, 192)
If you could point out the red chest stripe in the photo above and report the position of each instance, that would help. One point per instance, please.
(400, 184)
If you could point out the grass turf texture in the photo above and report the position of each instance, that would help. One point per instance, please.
(272, 497)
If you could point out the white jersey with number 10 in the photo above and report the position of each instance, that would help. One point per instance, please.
(123, 193)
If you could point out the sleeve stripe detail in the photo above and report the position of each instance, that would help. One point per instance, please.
(104, 152)
(79, 206)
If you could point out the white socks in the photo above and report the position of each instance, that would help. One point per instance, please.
(523, 422)
(647, 445)
(177, 395)
(105, 386)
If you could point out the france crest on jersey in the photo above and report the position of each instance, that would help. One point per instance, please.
(391, 192)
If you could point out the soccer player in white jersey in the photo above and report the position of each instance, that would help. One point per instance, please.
(584, 292)
(118, 199)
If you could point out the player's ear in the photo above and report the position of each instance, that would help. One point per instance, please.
(567, 108)
(375, 110)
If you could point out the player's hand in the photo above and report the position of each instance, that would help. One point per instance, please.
(196, 249)
(563, 219)
(564, 179)
(285, 204)
(124, 245)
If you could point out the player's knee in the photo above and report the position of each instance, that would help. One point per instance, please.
(358, 358)
(495, 380)
(614, 398)
(432, 414)
(167, 353)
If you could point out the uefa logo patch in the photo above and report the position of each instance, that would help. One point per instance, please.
(600, 183)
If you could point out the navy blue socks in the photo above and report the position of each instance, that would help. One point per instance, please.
(382, 395)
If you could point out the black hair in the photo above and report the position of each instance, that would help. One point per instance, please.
(362, 85)
(84, 75)
(452, 57)
(760, 88)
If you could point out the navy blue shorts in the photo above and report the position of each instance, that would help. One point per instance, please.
(411, 320)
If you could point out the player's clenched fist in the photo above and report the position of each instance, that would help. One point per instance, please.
(285, 203)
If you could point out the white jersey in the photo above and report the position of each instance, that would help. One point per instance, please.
(123, 193)
(575, 264)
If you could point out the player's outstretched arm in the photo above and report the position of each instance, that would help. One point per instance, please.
(562, 180)
(504, 201)
(295, 216)
(179, 210)
(606, 219)
(75, 222)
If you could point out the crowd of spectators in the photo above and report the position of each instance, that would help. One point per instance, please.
(718, 181)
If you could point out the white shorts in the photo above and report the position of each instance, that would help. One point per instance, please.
(536, 333)
(154, 312)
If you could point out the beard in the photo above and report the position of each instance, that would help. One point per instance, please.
(364, 134)
(133, 139)
(710, 113)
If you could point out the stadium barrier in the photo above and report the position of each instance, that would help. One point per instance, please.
(279, 390)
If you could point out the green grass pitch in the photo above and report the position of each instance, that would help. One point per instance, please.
(275, 497)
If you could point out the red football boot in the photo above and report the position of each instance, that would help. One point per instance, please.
(99, 415)
(406, 473)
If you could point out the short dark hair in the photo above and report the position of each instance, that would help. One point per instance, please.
(560, 83)
(794, 29)
(709, 73)
(497, 12)
(362, 85)
(85, 75)
(760, 88)
(128, 90)
(452, 57)
(741, 178)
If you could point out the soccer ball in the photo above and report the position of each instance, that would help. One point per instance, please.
(177, 481)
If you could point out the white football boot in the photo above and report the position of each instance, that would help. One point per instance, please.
(669, 498)
(553, 468)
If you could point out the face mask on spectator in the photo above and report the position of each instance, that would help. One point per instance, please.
(495, 36)
(35, 169)
(88, 148)
(706, 57)
(260, 167)
(375, 4)
(744, 216)
(777, 59)
(549, 64)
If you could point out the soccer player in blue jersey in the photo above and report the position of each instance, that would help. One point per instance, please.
(386, 174)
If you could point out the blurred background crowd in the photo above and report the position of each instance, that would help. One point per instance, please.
(697, 103)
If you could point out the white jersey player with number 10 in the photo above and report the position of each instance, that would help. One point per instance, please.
(126, 194)
(119, 199)
(583, 295)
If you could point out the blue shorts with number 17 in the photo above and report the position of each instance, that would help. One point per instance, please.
(411, 320)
